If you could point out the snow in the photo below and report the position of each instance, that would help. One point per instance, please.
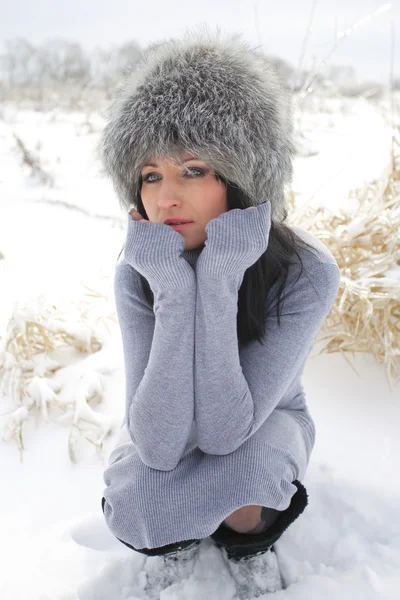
(60, 241)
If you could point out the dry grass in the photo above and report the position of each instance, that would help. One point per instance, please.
(51, 368)
(366, 245)
(33, 162)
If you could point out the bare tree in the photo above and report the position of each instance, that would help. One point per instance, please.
(109, 65)
(63, 61)
(17, 60)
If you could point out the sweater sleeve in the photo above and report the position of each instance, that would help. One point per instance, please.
(158, 346)
(231, 403)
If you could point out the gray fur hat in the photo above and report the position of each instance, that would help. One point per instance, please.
(213, 96)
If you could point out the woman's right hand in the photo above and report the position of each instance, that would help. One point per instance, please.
(137, 216)
(154, 250)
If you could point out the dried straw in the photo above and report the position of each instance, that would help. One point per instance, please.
(366, 245)
(42, 352)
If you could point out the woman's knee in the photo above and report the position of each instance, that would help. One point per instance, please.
(251, 519)
(244, 519)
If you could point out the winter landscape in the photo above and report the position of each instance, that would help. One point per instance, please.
(61, 230)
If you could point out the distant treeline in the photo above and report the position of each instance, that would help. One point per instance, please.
(57, 67)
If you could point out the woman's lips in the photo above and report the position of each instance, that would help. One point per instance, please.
(181, 226)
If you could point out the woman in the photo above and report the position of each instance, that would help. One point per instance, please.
(217, 316)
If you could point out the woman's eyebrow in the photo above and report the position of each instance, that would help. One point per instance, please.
(156, 165)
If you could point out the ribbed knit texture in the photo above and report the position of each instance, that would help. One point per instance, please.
(209, 426)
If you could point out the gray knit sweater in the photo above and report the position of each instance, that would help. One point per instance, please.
(209, 426)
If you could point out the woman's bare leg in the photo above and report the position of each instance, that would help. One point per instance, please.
(251, 519)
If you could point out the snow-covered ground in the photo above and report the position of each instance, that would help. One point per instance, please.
(54, 541)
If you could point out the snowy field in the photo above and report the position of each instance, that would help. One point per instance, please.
(58, 239)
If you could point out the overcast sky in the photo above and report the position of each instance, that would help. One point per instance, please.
(279, 26)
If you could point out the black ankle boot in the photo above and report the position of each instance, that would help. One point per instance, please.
(166, 569)
(239, 545)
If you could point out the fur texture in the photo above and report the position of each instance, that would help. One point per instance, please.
(212, 95)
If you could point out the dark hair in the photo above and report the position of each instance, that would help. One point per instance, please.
(270, 269)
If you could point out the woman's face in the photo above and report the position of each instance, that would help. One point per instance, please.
(190, 191)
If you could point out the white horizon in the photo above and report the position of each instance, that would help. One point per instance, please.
(367, 49)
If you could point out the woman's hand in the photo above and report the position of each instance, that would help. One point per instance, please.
(154, 250)
(137, 216)
(235, 240)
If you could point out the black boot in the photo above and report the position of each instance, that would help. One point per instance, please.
(251, 558)
(239, 545)
(165, 570)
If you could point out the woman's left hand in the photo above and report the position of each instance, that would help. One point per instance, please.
(236, 239)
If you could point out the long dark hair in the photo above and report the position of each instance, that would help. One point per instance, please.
(271, 269)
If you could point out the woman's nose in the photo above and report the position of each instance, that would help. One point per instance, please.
(169, 193)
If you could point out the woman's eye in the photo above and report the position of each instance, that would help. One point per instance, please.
(146, 177)
(194, 169)
(200, 172)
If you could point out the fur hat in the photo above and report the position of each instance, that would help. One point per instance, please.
(210, 95)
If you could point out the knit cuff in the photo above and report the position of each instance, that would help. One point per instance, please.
(154, 250)
(235, 240)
